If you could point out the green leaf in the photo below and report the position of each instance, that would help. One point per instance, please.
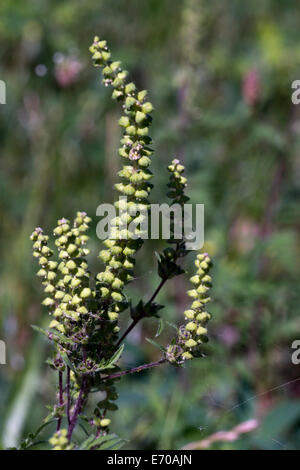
(116, 356)
(160, 328)
(105, 442)
(40, 330)
(67, 361)
(159, 346)
(61, 336)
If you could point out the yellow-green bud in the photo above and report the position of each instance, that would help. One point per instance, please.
(117, 296)
(189, 314)
(48, 302)
(105, 422)
(190, 343)
(113, 315)
(71, 264)
(86, 292)
(191, 326)
(187, 355)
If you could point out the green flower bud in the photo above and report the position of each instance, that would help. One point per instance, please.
(191, 326)
(128, 251)
(130, 88)
(117, 284)
(63, 254)
(113, 316)
(116, 94)
(105, 422)
(105, 55)
(203, 317)
(144, 162)
(129, 102)
(105, 255)
(147, 108)
(201, 331)
(49, 289)
(195, 279)
(202, 289)
(187, 355)
(67, 298)
(59, 295)
(196, 304)
(57, 312)
(42, 273)
(82, 310)
(51, 275)
(143, 131)
(71, 265)
(192, 293)
(52, 265)
(128, 264)
(131, 130)
(71, 249)
(104, 292)
(141, 194)
(190, 314)
(204, 265)
(114, 264)
(106, 277)
(76, 300)
(142, 95)
(124, 121)
(140, 117)
(128, 190)
(86, 292)
(58, 230)
(190, 343)
(48, 302)
(75, 283)
(117, 297)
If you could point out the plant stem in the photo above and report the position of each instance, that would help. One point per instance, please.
(60, 397)
(78, 407)
(68, 394)
(135, 369)
(140, 317)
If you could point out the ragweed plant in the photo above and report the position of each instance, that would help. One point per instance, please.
(85, 309)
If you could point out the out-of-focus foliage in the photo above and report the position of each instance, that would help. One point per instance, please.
(220, 75)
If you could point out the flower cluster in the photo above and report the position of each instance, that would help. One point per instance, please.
(85, 310)
(125, 238)
(194, 332)
(59, 440)
(177, 183)
(66, 281)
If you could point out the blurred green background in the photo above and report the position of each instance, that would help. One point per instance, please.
(219, 75)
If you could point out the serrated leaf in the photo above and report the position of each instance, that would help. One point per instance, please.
(61, 336)
(39, 330)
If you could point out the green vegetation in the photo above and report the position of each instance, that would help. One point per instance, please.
(220, 76)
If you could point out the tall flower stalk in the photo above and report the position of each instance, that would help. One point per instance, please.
(85, 309)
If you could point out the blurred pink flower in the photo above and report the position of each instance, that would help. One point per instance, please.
(67, 71)
(251, 87)
(224, 436)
